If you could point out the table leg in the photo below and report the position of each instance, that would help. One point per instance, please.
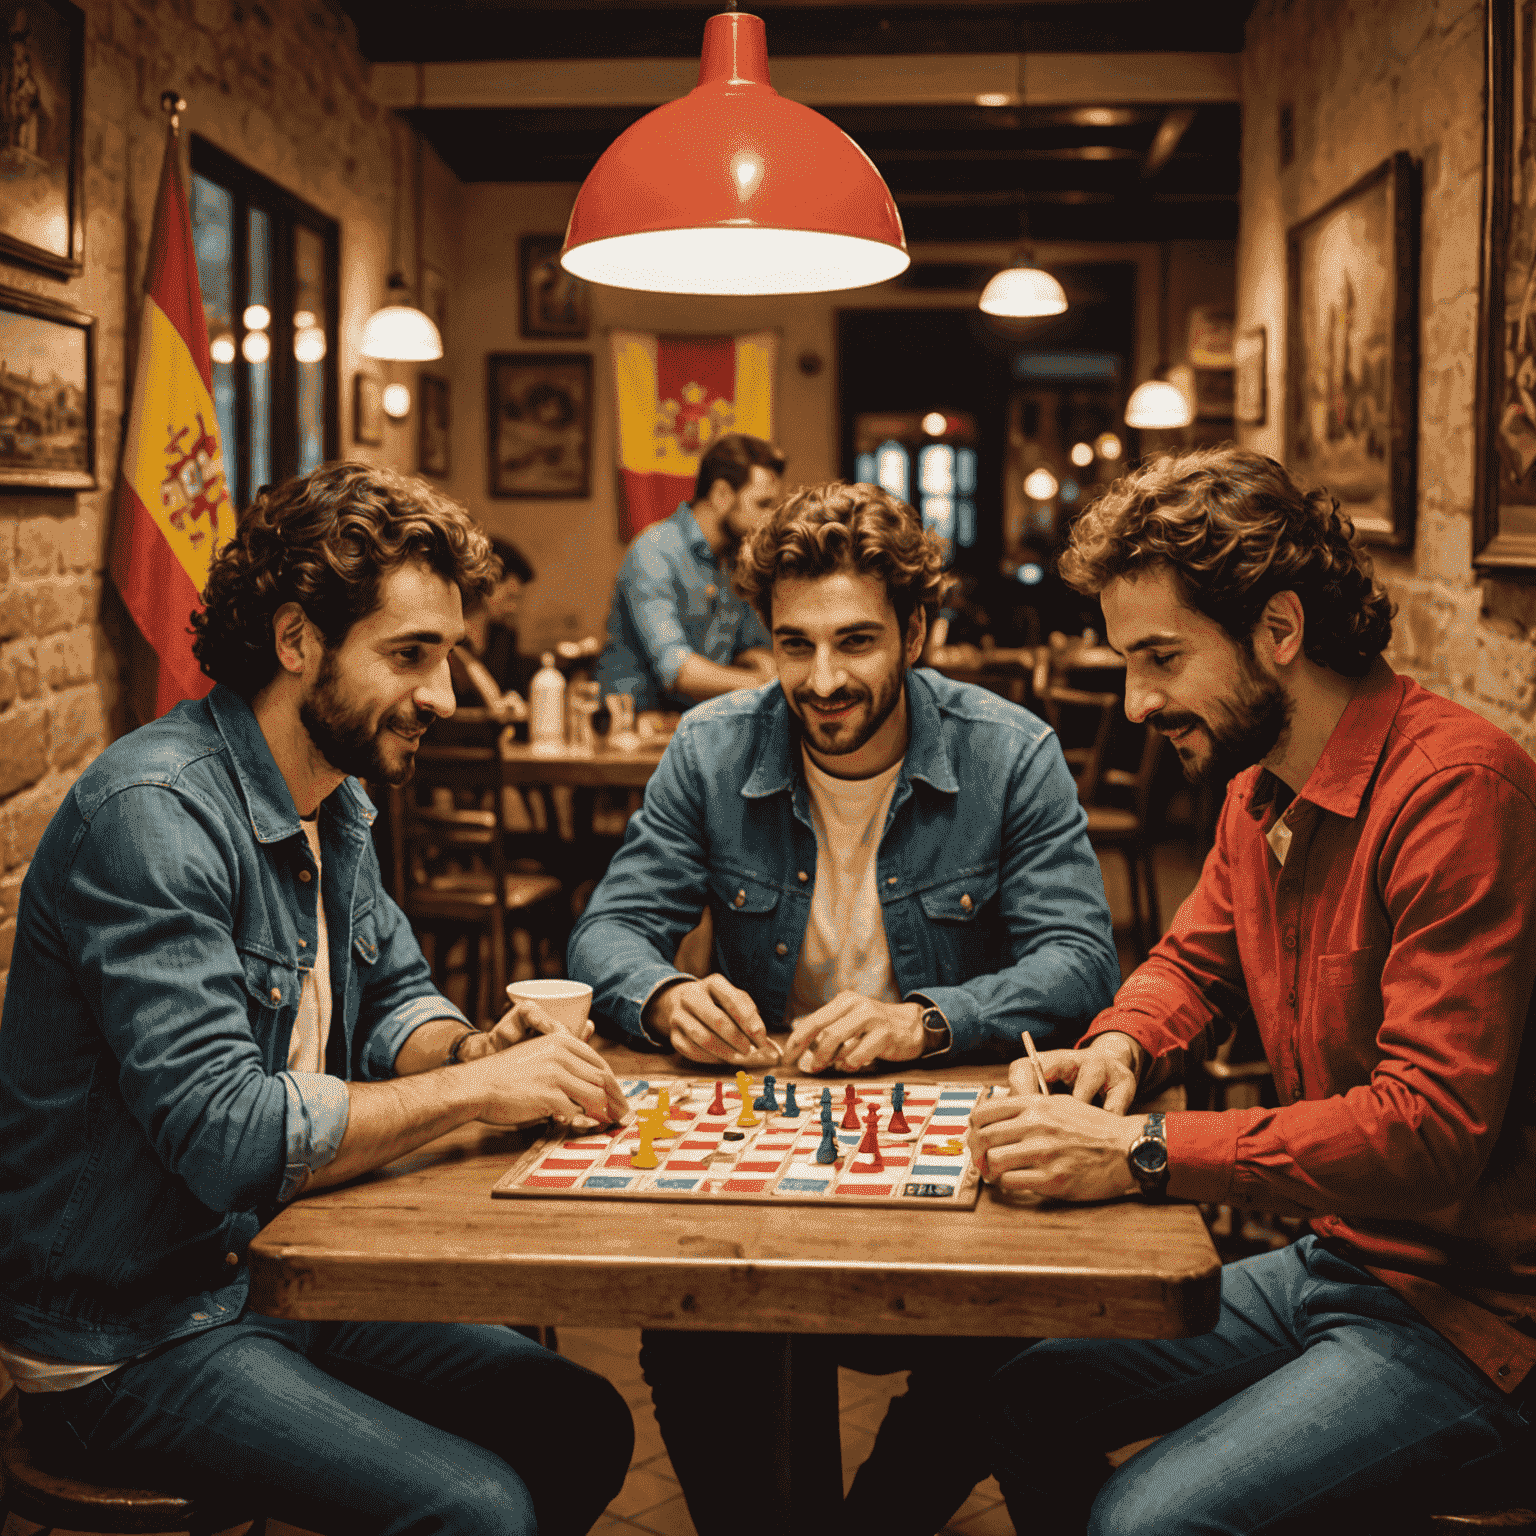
(807, 1451)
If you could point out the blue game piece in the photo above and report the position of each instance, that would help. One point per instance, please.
(766, 1099)
(791, 1109)
(898, 1096)
(826, 1098)
(827, 1151)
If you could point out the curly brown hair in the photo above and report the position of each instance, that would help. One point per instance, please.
(325, 541)
(1235, 529)
(823, 528)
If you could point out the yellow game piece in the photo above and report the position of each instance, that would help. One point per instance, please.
(951, 1148)
(645, 1155)
(659, 1115)
(744, 1088)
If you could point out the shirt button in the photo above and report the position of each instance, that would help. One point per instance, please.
(304, 876)
(801, 875)
(741, 898)
(781, 949)
(1290, 997)
(891, 880)
(1290, 941)
(966, 903)
(303, 943)
(277, 994)
(232, 1259)
(1503, 1370)
(709, 591)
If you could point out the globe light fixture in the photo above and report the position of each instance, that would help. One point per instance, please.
(1108, 446)
(1022, 291)
(734, 189)
(397, 401)
(399, 332)
(1158, 404)
(257, 346)
(309, 344)
(222, 349)
(257, 317)
(1040, 484)
(1082, 454)
(934, 423)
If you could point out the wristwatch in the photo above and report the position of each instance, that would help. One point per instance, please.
(1148, 1157)
(936, 1035)
(452, 1058)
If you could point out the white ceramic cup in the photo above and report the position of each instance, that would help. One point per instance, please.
(566, 1002)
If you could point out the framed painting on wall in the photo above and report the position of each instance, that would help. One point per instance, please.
(367, 409)
(47, 393)
(41, 89)
(1352, 351)
(1504, 505)
(432, 405)
(552, 301)
(540, 423)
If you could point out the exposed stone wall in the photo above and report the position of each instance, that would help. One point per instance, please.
(1362, 81)
(281, 86)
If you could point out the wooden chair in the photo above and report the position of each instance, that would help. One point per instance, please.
(64, 1495)
(457, 873)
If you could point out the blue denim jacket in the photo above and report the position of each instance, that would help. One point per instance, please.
(672, 599)
(991, 896)
(148, 1121)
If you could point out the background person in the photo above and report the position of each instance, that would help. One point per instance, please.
(898, 869)
(1369, 899)
(214, 1006)
(677, 632)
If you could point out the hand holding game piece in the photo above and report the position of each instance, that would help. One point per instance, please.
(852, 1032)
(709, 1020)
(555, 1075)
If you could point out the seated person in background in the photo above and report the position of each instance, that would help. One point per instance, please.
(214, 1006)
(677, 633)
(1369, 898)
(898, 870)
(489, 672)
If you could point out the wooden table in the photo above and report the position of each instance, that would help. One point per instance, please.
(601, 768)
(422, 1240)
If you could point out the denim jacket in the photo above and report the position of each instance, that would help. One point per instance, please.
(672, 599)
(991, 896)
(148, 1121)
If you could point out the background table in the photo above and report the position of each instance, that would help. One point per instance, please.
(423, 1240)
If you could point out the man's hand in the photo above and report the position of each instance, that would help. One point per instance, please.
(1058, 1147)
(708, 1020)
(553, 1076)
(851, 1032)
(1107, 1069)
(522, 1021)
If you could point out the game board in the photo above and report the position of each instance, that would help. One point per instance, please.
(709, 1157)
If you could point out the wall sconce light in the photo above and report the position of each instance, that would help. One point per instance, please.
(397, 401)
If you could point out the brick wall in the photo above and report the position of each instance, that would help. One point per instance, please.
(1363, 81)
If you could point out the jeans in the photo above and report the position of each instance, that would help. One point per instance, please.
(715, 1405)
(388, 1428)
(1321, 1402)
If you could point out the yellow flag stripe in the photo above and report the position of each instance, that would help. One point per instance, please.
(755, 356)
(171, 454)
(634, 372)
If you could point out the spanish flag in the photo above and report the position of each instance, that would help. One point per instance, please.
(677, 394)
(172, 506)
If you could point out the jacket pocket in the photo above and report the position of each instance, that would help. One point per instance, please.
(742, 894)
(961, 900)
(272, 985)
(365, 937)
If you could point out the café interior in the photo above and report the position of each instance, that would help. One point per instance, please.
(1124, 227)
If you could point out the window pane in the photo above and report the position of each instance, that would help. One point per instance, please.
(309, 327)
(965, 523)
(864, 469)
(213, 239)
(965, 471)
(257, 346)
(891, 468)
(936, 469)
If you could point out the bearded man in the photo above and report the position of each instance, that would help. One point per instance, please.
(898, 869)
(214, 1006)
(1369, 900)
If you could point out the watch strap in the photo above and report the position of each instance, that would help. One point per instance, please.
(1152, 1181)
(937, 1037)
(452, 1058)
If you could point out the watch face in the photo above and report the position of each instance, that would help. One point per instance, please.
(1151, 1156)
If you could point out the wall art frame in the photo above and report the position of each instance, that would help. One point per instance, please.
(434, 426)
(47, 394)
(539, 425)
(1352, 328)
(552, 303)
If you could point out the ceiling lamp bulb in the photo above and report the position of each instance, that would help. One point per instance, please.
(1023, 292)
(1158, 404)
(734, 189)
(401, 333)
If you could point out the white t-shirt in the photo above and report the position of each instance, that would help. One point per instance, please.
(312, 1026)
(844, 948)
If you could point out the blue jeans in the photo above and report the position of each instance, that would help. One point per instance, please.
(389, 1428)
(1320, 1402)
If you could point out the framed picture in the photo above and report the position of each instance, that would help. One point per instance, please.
(41, 72)
(1250, 387)
(540, 423)
(432, 416)
(1352, 351)
(367, 409)
(434, 300)
(553, 303)
(1504, 504)
(47, 393)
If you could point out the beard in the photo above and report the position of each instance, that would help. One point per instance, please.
(869, 709)
(349, 741)
(1248, 729)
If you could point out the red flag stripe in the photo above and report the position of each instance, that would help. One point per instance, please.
(170, 272)
(650, 498)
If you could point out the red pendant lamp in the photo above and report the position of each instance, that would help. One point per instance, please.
(734, 190)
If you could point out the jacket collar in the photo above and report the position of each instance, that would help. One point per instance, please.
(929, 756)
(268, 802)
(693, 535)
(1350, 757)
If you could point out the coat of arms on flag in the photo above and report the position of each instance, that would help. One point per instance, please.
(173, 506)
(676, 395)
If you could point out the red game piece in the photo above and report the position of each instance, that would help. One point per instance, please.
(718, 1107)
(867, 1159)
(851, 1109)
(898, 1124)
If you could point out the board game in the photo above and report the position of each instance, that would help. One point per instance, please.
(766, 1140)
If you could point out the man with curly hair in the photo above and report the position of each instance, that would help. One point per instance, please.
(898, 869)
(1368, 902)
(214, 1005)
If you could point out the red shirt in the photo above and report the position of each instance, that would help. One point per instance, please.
(1389, 963)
